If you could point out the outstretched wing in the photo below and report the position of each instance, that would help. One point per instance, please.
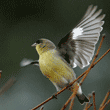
(78, 46)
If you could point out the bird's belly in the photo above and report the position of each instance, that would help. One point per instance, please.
(56, 70)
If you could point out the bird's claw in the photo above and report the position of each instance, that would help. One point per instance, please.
(54, 96)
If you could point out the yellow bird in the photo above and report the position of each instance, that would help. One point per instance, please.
(75, 49)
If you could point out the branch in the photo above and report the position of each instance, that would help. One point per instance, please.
(93, 94)
(101, 56)
(89, 96)
(105, 99)
(71, 104)
(7, 85)
(71, 97)
(89, 106)
(42, 107)
(105, 105)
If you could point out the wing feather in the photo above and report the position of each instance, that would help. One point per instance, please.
(79, 44)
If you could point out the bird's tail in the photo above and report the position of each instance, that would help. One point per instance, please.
(82, 98)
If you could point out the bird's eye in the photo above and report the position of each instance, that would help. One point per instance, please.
(38, 41)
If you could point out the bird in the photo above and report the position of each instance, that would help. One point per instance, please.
(75, 49)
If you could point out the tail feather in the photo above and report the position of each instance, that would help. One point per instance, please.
(82, 98)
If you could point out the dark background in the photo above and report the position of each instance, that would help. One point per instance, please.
(22, 22)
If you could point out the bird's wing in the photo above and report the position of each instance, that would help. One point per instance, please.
(26, 62)
(78, 46)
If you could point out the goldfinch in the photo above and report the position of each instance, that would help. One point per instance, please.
(75, 49)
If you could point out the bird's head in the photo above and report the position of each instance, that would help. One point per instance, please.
(43, 45)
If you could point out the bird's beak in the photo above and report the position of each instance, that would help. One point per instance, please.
(33, 45)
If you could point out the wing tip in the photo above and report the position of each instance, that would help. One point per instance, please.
(25, 62)
(104, 16)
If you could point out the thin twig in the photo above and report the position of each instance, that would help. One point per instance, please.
(101, 56)
(7, 85)
(42, 107)
(94, 100)
(105, 99)
(43, 103)
(71, 104)
(89, 97)
(89, 106)
(71, 97)
(102, 108)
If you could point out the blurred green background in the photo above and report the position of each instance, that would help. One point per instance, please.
(22, 22)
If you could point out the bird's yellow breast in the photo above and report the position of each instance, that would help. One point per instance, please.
(54, 68)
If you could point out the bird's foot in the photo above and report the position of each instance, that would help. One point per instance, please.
(54, 96)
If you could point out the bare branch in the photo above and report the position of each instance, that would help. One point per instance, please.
(105, 99)
(102, 108)
(71, 97)
(89, 106)
(101, 56)
(93, 93)
(71, 104)
(89, 96)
